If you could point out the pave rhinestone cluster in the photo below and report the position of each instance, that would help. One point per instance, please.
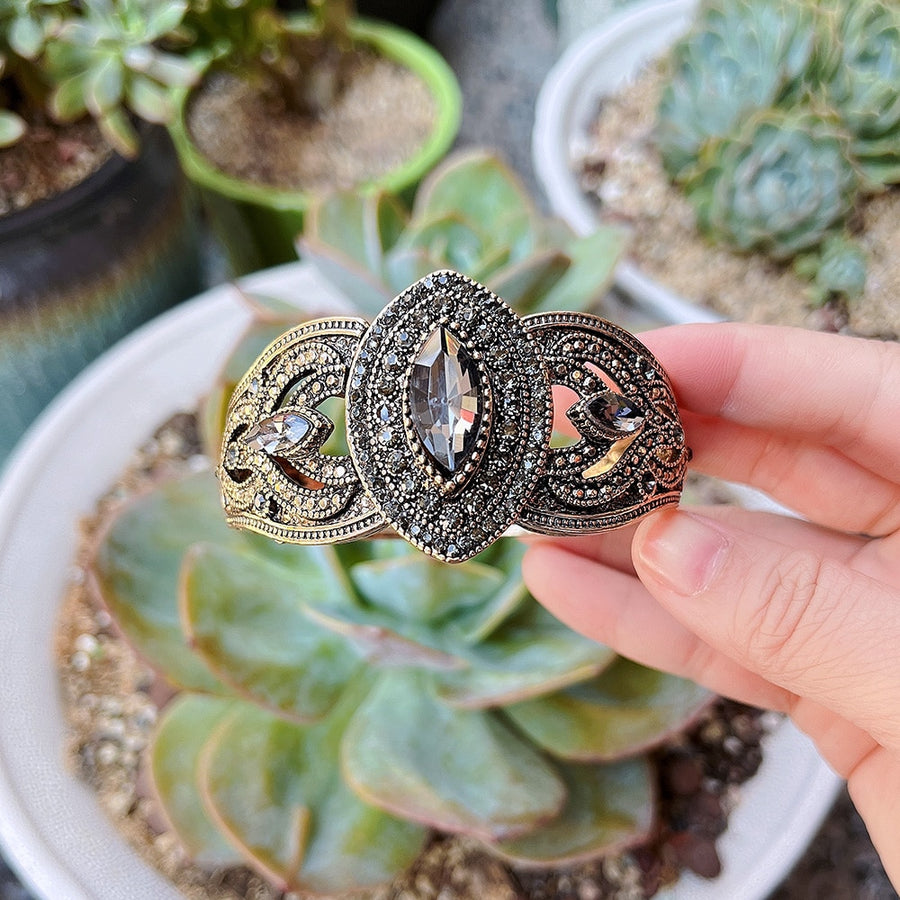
(449, 414)
(449, 512)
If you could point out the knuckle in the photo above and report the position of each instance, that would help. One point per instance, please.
(791, 614)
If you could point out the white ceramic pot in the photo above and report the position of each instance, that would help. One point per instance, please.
(52, 828)
(599, 64)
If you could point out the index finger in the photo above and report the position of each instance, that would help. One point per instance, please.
(840, 391)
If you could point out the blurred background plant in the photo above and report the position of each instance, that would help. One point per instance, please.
(116, 59)
(777, 117)
(338, 702)
(95, 57)
(298, 72)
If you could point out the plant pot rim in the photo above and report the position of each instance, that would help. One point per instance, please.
(597, 64)
(396, 44)
(51, 825)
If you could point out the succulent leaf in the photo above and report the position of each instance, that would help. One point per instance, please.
(184, 730)
(593, 260)
(608, 808)
(137, 567)
(417, 588)
(483, 191)
(245, 616)
(531, 654)
(623, 711)
(275, 789)
(411, 755)
(12, 127)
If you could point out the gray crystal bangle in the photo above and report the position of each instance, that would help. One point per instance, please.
(449, 414)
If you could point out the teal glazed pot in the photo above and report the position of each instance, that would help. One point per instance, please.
(81, 269)
(258, 224)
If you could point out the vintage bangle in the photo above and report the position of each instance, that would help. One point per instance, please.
(449, 414)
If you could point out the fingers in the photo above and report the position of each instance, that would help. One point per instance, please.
(806, 622)
(613, 548)
(831, 389)
(874, 785)
(815, 480)
(615, 609)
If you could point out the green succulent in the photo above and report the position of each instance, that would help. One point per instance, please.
(302, 70)
(780, 186)
(337, 703)
(472, 215)
(837, 269)
(865, 87)
(105, 62)
(740, 57)
(24, 28)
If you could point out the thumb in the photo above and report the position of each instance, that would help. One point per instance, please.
(804, 621)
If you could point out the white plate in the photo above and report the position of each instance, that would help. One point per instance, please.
(594, 66)
(52, 829)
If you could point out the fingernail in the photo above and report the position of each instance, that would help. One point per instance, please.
(684, 551)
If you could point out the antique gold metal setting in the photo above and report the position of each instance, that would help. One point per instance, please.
(449, 413)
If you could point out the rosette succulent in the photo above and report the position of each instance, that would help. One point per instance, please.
(741, 56)
(780, 185)
(337, 703)
(106, 62)
(471, 215)
(865, 87)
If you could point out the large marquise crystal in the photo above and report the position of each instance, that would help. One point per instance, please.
(445, 400)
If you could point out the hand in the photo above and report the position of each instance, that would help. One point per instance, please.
(798, 616)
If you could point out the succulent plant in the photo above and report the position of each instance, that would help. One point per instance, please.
(471, 214)
(780, 185)
(740, 57)
(824, 73)
(863, 88)
(301, 70)
(105, 62)
(837, 269)
(338, 702)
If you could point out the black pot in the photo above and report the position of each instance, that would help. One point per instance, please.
(83, 268)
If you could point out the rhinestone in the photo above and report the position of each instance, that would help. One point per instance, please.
(231, 456)
(614, 410)
(385, 435)
(279, 434)
(445, 400)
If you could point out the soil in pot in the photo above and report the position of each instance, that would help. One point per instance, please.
(621, 168)
(48, 160)
(112, 700)
(383, 115)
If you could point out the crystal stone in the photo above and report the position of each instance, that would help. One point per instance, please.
(616, 411)
(278, 434)
(445, 399)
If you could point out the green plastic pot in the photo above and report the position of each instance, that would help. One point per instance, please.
(258, 224)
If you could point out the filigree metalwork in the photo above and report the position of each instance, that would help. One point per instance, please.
(451, 454)
(626, 463)
(294, 492)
